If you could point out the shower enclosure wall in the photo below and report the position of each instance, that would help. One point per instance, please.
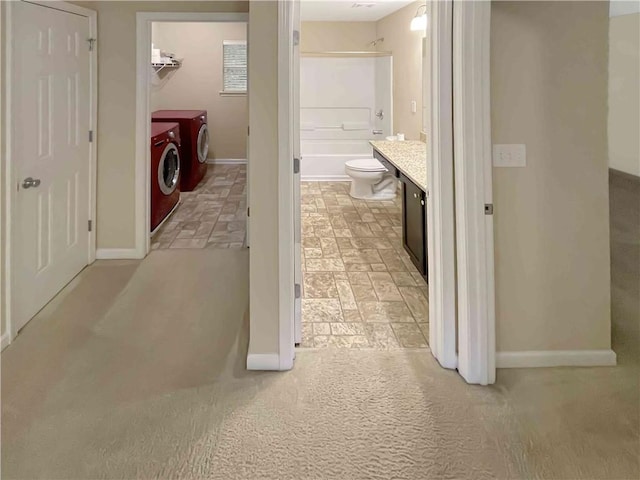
(345, 100)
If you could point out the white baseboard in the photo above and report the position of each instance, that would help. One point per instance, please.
(556, 358)
(226, 161)
(263, 361)
(325, 178)
(118, 254)
(5, 340)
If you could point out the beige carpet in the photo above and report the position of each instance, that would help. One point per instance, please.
(125, 376)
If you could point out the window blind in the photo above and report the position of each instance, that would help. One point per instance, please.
(234, 65)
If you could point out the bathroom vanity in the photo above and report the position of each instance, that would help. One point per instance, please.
(407, 160)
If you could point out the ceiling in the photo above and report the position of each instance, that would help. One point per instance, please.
(344, 10)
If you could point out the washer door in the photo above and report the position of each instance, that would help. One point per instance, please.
(203, 143)
(169, 169)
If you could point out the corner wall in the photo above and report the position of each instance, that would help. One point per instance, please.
(549, 91)
(263, 178)
(624, 93)
(337, 36)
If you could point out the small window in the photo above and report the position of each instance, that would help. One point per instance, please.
(234, 66)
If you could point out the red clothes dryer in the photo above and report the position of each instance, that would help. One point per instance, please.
(195, 143)
(165, 171)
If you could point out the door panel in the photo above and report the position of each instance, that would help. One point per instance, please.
(50, 144)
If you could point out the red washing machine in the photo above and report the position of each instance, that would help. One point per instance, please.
(165, 171)
(195, 143)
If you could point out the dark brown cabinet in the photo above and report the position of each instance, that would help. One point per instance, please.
(414, 219)
(414, 224)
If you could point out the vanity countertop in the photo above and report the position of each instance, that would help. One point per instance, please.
(409, 156)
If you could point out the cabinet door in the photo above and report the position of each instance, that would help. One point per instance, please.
(413, 224)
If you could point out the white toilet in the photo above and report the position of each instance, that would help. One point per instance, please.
(370, 180)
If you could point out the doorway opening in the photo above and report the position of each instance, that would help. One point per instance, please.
(192, 92)
(455, 206)
(363, 259)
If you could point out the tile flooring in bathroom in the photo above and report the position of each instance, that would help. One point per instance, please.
(214, 215)
(360, 288)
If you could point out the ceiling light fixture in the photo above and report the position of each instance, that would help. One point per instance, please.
(419, 21)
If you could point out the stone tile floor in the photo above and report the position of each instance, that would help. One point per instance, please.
(360, 288)
(212, 216)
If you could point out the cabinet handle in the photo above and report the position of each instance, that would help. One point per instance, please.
(415, 195)
(422, 202)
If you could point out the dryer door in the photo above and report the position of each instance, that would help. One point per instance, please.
(203, 143)
(169, 169)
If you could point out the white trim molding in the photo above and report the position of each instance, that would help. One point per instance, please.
(556, 358)
(263, 361)
(440, 194)
(142, 202)
(5, 340)
(473, 190)
(286, 211)
(118, 254)
(226, 161)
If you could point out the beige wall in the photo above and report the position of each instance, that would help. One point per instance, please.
(549, 91)
(116, 110)
(263, 177)
(624, 93)
(197, 83)
(406, 47)
(337, 36)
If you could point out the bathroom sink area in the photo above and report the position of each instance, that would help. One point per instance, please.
(407, 160)
(408, 156)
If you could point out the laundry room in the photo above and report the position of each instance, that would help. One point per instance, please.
(199, 123)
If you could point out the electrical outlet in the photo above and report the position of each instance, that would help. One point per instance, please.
(414, 106)
(510, 155)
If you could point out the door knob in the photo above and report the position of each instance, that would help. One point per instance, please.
(31, 182)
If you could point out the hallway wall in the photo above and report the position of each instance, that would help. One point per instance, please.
(549, 91)
(624, 92)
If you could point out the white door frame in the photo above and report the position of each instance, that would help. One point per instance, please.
(143, 113)
(9, 180)
(470, 87)
(440, 182)
(473, 191)
(286, 210)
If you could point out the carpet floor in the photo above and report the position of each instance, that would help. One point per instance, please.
(125, 376)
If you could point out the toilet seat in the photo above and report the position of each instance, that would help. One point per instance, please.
(366, 165)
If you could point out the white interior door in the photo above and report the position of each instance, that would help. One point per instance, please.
(296, 178)
(50, 153)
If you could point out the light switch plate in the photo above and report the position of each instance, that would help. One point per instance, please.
(510, 155)
(414, 106)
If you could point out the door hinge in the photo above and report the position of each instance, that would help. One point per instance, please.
(90, 136)
(90, 225)
(296, 38)
(488, 208)
(248, 209)
(92, 42)
(247, 131)
(296, 165)
(298, 290)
